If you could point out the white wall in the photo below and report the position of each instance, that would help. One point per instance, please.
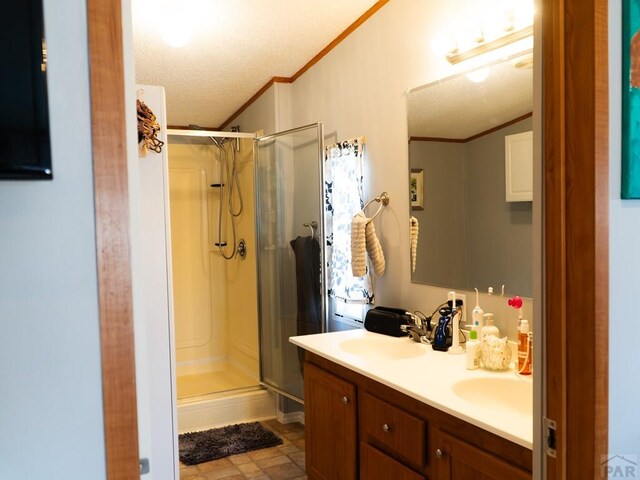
(261, 114)
(155, 355)
(51, 421)
(624, 272)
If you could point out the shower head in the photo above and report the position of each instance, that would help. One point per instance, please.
(216, 142)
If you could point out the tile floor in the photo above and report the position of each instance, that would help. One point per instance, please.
(283, 462)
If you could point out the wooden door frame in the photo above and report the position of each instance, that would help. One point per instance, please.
(108, 128)
(576, 226)
(575, 129)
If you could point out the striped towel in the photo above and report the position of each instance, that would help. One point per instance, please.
(374, 249)
(358, 248)
(414, 228)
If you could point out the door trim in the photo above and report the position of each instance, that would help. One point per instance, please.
(576, 183)
(104, 19)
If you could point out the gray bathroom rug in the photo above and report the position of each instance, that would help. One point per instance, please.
(200, 447)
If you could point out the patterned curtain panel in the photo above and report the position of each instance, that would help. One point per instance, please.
(343, 192)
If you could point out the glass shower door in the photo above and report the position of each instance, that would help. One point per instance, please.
(289, 218)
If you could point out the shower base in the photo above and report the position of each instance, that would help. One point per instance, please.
(220, 409)
(225, 377)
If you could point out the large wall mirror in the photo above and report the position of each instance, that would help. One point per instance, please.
(470, 158)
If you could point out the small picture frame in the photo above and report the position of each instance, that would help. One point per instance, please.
(416, 189)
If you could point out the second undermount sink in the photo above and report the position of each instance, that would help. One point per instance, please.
(381, 347)
(509, 393)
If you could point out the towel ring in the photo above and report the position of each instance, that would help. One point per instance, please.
(382, 199)
(313, 226)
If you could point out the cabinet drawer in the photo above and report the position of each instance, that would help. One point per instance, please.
(392, 428)
(375, 465)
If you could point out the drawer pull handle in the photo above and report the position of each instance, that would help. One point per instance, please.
(345, 400)
(439, 453)
(386, 428)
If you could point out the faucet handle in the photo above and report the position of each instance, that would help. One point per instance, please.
(415, 319)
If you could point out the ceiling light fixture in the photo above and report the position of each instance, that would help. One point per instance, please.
(176, 25)
(479, 75)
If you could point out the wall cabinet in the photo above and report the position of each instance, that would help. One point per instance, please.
(518, 166)
(358, 428)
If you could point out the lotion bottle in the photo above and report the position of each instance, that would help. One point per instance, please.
(489, 328)
(473, 351)
(525, 349)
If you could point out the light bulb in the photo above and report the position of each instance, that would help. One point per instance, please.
(479, 75)
(177, 35)
(443, 44)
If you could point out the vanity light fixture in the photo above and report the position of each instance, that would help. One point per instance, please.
(483, 47)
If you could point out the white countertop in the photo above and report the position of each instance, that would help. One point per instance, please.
(431, 377)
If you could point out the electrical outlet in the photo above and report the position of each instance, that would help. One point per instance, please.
(465, 308)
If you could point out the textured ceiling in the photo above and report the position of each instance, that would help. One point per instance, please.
(458, 108)
(237, 46)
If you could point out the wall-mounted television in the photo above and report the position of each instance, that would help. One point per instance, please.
(25, 151)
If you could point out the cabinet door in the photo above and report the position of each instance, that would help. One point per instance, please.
(330, 426)
(460, 461)
(375, 465)
(518, 163)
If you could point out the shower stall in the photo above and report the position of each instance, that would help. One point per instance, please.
(212, 332)
(214, 289)
(245, 222)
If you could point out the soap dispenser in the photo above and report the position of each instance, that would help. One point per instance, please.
(477, 315)
(489, 328)
(525, 348)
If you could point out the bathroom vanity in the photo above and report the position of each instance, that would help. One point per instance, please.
(379, 408)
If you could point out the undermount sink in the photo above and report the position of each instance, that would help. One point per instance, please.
(513, 393)
(386, 348)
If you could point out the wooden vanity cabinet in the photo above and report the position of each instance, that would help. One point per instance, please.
(359, 428)
(330, 426)
(375, 465)
(459, 460)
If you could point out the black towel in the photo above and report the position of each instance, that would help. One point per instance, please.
(309, 317)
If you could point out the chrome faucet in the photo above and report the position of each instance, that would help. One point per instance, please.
(418, 328)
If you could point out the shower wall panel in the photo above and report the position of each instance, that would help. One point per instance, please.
(198, 269)
(242, 295)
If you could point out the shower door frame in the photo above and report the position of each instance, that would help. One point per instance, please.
(320, 233)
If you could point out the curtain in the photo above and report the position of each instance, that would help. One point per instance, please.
(343, 192)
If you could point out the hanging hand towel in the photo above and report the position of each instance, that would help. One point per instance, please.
(358, 248)
(413, 235)
(374, 249)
